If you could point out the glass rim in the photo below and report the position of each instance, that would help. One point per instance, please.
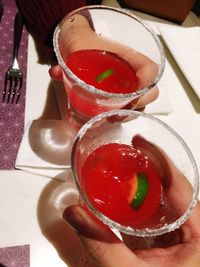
(93, 89)
(146, 232)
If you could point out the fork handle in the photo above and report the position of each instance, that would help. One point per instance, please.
(18, 27)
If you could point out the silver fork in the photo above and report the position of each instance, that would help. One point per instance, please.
(14, 76)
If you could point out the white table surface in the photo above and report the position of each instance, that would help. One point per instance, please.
(20, 192)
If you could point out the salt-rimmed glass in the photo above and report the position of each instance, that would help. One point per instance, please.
(119, 27)
(120, 126)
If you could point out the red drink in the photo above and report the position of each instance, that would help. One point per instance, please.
(123, 184)
(105, 71)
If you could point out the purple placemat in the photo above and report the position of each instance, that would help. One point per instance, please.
(11, 115)
(18, 256)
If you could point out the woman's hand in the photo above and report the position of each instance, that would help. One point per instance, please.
(104, 249)
(180, 248)
(77, 34)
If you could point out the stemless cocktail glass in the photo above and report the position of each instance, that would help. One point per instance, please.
(135, 173)
(108, 56)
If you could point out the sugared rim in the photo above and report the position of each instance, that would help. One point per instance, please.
(91, 88)
(147, 232)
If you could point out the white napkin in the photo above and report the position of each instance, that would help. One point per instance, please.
(184, 44)
(162, 104)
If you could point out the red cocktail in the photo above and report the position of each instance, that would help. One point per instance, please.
(105, 71)
(123, 184)
(129, 174)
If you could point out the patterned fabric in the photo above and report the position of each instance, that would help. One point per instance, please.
(18, 256)
(11, 115)
(41, 16)
(1, 9)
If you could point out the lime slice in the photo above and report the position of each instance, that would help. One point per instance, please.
(141, 192)
(104, 75)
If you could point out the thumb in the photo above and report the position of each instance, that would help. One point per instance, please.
(100, 242)
(55, 72)
(145, 99)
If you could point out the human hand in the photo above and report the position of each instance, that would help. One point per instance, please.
(179, 248)
(77, 34)
(104, 249)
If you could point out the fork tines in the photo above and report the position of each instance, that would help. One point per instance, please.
(14, 75)
(12, 86)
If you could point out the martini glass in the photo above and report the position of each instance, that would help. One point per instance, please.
(91, 33)
(135, 173)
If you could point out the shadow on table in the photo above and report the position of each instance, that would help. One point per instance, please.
(51, 109)
(185, 84)
(51, 140)
(55, 197)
